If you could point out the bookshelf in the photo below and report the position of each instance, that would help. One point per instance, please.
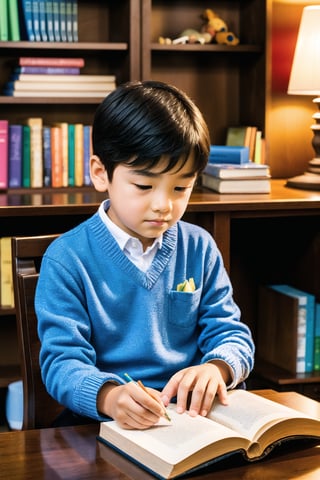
(263, 238)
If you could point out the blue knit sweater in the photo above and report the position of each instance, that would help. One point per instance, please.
(100, 316)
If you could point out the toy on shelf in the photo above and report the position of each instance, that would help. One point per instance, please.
(213, 30)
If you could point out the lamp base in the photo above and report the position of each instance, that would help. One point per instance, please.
(307, 181)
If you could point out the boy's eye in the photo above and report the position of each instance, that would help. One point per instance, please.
(143, 187)
(181, 189)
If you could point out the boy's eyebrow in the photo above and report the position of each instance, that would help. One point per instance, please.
(147, 173)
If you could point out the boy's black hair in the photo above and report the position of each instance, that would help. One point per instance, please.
(139, 122)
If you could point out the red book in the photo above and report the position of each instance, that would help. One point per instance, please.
(4, 139)
(51, 62)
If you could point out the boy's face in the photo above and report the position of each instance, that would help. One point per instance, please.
(145, 203)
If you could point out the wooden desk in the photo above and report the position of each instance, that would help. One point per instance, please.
(74, 453)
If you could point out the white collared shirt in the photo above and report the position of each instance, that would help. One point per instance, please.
(131, 246)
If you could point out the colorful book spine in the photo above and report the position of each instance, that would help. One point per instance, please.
(36, 153)
(305, 330)
(36, 20)
(56, 156)
(51, 62)
(56, 20)
(4, 30)
(26, 157)
(78, 142)
(87, 152)
(15, 156)
(69, 20)
(316, 359)
(26, 16)
(4, 142)
(64, 152)
(63, 20)
(228, 154)
(74, 20)
(46, 71)
(49, 19)
(47, 166)
(13, 21)
(71, 155)
(6, 284)
(43, 21)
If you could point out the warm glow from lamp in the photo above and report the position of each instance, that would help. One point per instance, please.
(305, 80)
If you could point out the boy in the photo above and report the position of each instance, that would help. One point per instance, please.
(107, 300)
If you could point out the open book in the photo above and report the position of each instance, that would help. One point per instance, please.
(250, 424)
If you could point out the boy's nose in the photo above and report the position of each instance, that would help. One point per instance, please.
(162, 203)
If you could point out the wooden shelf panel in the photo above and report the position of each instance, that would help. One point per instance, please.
(72, 46)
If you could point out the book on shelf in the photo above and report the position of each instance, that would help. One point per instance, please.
(15, 156)
(43, 21)
(56, 20)
(63, 94)
(56, 157)
(87, 153)
(49, 19)
(316, 359)
(74, 9)
(71, 155)
(23, 86)
(6, 280)
(228, 154)
(51, 61)
(29, 70)
(249, 426)
(4, 146)
(69, 24)
(26, 78)
(285, 327)
(244, 170)
(243, 135)
(36, 20)
(239, 185)
(13, 21)
(36, 152)
(26, 20)
(78, 154)
(26, 157)
(64, 152)
(47, 156)
(4, 30)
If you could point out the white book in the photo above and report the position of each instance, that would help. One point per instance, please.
(244, 185)
(83, 78)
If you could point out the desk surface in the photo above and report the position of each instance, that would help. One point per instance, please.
(74, 453)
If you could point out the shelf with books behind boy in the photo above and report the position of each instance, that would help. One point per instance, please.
(226, 80)
(108, 44)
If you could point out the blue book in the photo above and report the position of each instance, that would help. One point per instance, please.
(306, 315)
(243, 170)
(63, 20)
(15, 155)
(47, 159)
(74, 20)
(43, 20)
(86, 154)
(317, 338)
(36, 20)
(228, 154)
(56, 20)
(49, 20)
(26, 157)
(26, 21)
(69, 20)
(71, 155)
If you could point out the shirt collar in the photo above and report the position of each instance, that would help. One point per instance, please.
(123, 238)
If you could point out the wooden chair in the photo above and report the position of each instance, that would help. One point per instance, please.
(40, 408)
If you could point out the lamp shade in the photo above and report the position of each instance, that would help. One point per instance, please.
(305, 71)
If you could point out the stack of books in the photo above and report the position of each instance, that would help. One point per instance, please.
(236, 174)
(56, 77)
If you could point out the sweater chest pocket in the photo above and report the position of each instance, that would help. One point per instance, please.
(183, 308)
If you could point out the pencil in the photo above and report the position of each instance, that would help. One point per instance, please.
(140, 384)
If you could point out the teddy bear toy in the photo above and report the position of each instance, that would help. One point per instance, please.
(214, 29)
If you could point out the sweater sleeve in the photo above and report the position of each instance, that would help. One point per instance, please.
(67, 356)
(223, 335)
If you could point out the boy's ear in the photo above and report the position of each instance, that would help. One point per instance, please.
(98, 174)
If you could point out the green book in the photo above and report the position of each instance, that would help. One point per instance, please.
(71, 155)
(4, 30)
(26, 158)
(13, 21)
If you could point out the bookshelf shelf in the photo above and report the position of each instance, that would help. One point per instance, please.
(207, 48)
(58, 46)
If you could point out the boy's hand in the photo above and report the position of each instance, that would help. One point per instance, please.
(203, 382)
(129, 405)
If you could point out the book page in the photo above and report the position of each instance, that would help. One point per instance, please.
(250, 414)
(174, 442)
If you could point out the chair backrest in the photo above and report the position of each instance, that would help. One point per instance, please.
(40, 408)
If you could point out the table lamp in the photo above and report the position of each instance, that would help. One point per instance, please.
(305, 80)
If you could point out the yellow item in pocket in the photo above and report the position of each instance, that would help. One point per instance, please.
(187, 286)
